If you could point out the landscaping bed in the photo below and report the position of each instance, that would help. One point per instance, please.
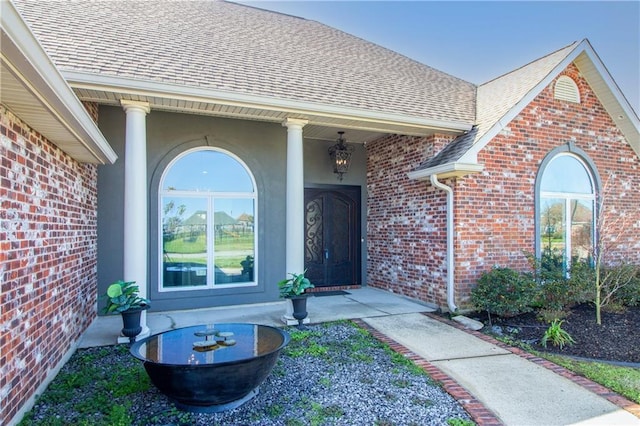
(616, 339)
(334, 373)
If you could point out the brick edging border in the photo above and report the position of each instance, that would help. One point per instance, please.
(588, 384)
(480, 414)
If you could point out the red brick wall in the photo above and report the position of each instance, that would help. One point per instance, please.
(47, 258)
(406, 220)
(494, 210)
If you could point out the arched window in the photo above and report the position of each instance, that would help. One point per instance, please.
(207, 222)
(566, 217)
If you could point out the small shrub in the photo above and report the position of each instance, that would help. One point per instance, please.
(556, 335)
(504, 292)
(630, 294)
(550, 315)
(622, 284)
(581, 281)
(560, 289)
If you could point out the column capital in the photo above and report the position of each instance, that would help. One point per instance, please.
(135, 105)
(294, 123)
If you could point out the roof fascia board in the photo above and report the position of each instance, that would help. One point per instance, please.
(629, 114)
(472, 153)
(611, 85)
(24, 57)
(81, 80)
(456, 169)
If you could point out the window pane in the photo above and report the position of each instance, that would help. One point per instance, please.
(552, 220)
(184, 242)
(207, 171)
(234, 240)
(567, 175)
(581, 228)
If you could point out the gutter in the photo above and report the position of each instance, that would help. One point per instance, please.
(154, 89)
(41, 97)
(450, 234)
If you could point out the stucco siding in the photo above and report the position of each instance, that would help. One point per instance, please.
(261, 146)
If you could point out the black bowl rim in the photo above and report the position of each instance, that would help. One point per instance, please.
(134, 349)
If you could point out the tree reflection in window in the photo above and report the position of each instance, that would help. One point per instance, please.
(566, 209)
(207, 209)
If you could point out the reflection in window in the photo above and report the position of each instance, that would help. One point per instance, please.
(566, 218)
(207, 209)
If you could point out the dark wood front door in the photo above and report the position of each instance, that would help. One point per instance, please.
(332, 235)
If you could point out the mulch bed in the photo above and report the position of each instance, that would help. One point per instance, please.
(616, 339)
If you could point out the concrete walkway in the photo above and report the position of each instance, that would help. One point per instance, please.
(517, 391)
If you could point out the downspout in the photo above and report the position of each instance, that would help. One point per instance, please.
(450, 234)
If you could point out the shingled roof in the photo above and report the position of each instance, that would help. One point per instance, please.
(501, 99)
(237, 48)
(495, 99)
(498, 96)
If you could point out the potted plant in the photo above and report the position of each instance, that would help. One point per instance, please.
(123, 297)
(294, 288)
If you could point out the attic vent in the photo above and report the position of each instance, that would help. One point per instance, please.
(567, 90)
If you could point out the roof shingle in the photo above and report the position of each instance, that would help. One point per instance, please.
(230, 47)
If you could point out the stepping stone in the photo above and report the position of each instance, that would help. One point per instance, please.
(204, 333)
(468, 322)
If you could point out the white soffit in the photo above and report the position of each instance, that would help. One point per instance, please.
(610, 95)
(176, 98)
(34, 90)
(449, 170)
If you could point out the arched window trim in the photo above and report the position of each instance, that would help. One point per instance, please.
(566, 149)
(211, 196)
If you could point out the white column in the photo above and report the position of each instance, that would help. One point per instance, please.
(295, 196)
(135, 200)
(295, 205)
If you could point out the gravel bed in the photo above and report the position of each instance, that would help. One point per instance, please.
(333, 374)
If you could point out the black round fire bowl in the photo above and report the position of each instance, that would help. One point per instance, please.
(211, 368)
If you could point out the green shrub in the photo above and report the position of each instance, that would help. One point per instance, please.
(550, 315)
(504, 292)
(581, 282)
(621, 284)
(559, 290)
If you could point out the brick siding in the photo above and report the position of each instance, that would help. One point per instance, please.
(406, 220)
(494, 210)
(47, 258)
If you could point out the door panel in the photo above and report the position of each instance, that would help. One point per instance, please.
(332, 235)
(314, 258)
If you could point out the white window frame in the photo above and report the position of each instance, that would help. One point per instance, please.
(568, 197)
(211, 196)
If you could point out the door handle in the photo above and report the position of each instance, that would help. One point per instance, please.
(326, 254)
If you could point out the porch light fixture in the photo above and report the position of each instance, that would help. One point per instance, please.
(340, 154)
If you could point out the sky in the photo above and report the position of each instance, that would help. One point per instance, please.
(478, 41)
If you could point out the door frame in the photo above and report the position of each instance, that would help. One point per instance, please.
(358, 239)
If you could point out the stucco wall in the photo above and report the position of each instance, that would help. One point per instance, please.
(261, 146)
(47, 259)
